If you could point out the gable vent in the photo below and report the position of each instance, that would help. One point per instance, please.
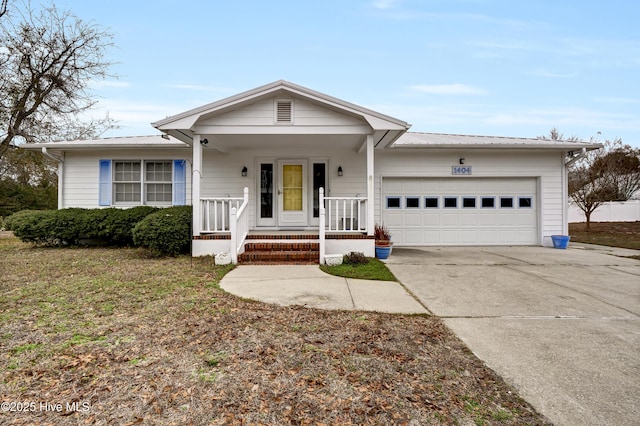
(284, 111)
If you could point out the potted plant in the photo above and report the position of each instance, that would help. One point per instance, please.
(383, 241)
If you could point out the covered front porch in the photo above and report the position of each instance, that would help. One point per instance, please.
(343, 227)
(283, 158)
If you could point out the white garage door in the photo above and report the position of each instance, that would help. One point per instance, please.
(461, 211)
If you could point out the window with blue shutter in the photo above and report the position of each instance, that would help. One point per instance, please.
(179, 183)
(104, 187)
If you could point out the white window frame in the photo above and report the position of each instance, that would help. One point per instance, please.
(116, 182)
(427, 197)
(406, 201)
(145, 191)
(143, 183)
(444, 200)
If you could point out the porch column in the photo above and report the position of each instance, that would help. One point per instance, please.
(196, 176)
(370, 182)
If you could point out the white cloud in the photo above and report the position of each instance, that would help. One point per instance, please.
(449, 89)
(550, 74)
(384, 4)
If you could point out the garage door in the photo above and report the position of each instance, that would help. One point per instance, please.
(462, 211)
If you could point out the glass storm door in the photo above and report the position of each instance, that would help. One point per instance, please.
(292, 193)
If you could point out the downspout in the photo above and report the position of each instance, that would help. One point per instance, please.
(569, 162)
(60, 162)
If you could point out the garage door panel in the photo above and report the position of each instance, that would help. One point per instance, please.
(482, 224)
(412, 220)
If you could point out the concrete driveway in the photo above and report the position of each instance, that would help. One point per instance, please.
(562, 326)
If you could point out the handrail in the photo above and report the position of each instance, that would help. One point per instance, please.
(321, 224)
(239, 226)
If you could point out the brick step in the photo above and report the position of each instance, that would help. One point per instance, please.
(283, 237)
(279, 257)
(281, 246)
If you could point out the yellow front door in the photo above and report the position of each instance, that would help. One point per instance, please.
(292, 194)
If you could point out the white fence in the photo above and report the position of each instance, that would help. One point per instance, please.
(611, 211)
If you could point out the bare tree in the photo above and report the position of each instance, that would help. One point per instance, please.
(48, 59)
(609, 174)
(3, 7)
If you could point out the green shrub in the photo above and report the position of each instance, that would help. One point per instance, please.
(165, 232)
(71, 226)
(32, 226)
(117, 226)
(355, 258)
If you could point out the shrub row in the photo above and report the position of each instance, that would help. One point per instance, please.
(165, 231)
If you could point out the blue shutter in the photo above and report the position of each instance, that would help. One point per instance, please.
(179, 183)
(104, 189)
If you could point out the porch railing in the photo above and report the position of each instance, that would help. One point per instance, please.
(239, 226)
(227, 215)
(216, 213)
(341, 214)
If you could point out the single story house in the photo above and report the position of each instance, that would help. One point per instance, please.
(284, 162)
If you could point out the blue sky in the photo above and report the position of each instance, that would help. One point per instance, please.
(489, 67)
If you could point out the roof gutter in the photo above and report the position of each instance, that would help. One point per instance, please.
(572, 160)
(53, 157)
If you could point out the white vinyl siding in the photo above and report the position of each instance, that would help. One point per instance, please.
(265, 113)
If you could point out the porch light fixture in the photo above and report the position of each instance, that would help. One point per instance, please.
(339, 170)
(244, 171)
(204, 141)
(461, 160)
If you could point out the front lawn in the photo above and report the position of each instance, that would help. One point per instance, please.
(373, 270)
(134, 339)
(613, 234)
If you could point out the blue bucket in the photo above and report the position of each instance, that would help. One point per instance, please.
(560, 241)
(382, 252)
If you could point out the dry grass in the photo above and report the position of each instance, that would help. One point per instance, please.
(613, 234)
(142, 340)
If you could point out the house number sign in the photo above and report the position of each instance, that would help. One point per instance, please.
(461, 170)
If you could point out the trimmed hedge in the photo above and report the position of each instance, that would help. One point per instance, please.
(76, 226)
(165, 232)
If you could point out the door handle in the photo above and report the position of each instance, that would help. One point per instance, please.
(279, 192)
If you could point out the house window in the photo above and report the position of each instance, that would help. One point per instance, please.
(158, 182)
(468, 202)
(450, 202)
(393, 202)
(266, 190)
(127, 186)
(525, 202)
(319, 181)
(284, 111)
(506, 202)
(488, 202)
(430, 202)
(131, 182)
(412, 202)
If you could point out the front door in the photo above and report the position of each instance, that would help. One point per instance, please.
(292, 193)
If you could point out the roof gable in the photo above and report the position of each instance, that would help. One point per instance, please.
(183, 125)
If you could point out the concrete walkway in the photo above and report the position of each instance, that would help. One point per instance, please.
(307, 285)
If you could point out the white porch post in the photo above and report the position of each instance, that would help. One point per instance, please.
(370, 182)
(196, 176)
(322, 225)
